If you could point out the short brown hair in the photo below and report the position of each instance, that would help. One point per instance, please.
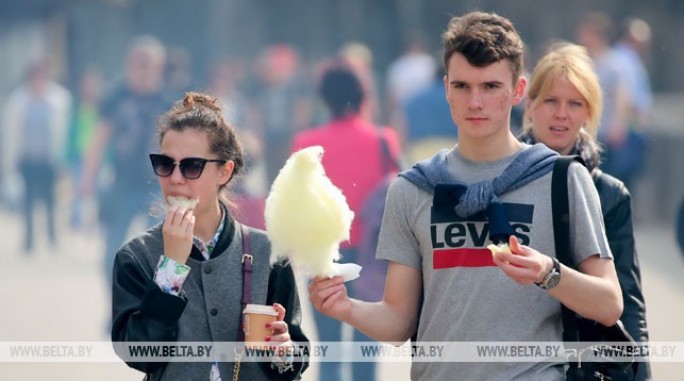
(484, 39)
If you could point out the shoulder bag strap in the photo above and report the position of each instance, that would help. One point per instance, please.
(389, 162)
(246, 276)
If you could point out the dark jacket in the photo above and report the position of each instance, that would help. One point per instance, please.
(209, 307)
(616, 206)
(680, 227)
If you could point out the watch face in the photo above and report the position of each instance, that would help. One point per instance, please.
(552, 281)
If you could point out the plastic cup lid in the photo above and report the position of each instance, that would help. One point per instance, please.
(260, 309)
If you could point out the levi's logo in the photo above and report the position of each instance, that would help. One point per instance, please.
(461, 242)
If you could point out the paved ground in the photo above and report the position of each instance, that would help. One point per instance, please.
(59, 295)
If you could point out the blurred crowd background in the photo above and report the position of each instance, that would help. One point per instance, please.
(262, 58)
(65, 62)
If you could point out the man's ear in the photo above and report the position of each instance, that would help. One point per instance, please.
(520, 90)
(226, 172)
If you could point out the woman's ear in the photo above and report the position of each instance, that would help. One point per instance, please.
(226, 172)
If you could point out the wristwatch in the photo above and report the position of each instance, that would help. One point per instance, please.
(551, 279)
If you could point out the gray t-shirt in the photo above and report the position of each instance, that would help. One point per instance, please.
(466, 297)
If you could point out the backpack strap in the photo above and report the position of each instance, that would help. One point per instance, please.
(560, 207)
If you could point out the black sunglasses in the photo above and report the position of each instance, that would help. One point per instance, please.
(191, 167)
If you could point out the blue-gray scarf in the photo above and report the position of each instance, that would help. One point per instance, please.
(432, 175)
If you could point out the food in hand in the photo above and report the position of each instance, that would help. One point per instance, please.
(183, 202)
(306, 215)
(500, 248)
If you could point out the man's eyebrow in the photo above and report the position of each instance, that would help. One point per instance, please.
(457, 81)
(461, 82)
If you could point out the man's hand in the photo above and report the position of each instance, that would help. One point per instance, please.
(329, 296)
(524, 264)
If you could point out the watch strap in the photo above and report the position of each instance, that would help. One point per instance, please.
(555, 271)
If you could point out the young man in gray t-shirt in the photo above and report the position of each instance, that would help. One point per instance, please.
(442, 282)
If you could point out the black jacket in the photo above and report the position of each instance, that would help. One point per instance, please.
(680, 227)
(616, 203)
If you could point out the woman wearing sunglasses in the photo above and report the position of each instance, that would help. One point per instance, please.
(563, 109)
(182, 280)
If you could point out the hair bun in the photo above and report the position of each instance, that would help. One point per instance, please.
(188, 101)
(193, 99)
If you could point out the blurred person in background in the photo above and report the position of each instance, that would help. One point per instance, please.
(250, 192)
(427, 123)
(282, 104)
(84, 121)
(224, 83)
(360, 57)
(36, 119)
(178, 77)
(563, 110)
(353, 160)
(595, 32)
(126, 131)
(632, 49)
(411, 72)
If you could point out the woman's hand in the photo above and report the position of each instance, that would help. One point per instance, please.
(281, 335)
(524, 265)
(177, 230)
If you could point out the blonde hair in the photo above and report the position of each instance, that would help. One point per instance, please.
(572, 62)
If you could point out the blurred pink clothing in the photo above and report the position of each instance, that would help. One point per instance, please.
(352, 159)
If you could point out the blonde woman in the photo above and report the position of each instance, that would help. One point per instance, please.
(563, 109)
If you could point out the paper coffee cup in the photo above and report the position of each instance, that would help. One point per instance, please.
(255, 317)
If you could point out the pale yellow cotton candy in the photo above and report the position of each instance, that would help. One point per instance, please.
(307, 216)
